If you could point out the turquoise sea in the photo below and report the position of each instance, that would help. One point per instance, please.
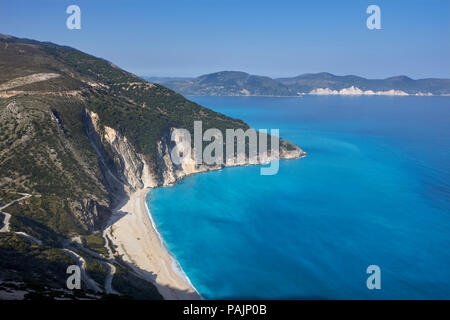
(373, 190)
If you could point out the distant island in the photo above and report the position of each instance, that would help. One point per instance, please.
(237, 83)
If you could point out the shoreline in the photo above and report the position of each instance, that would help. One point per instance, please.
(140, 245)
(149, 256)
(175, 263)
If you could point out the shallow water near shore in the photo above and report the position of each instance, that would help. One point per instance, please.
(373, 190)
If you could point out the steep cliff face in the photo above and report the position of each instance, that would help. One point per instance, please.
(91, 214)
(170, 171)
(123, 168)
(126, 170)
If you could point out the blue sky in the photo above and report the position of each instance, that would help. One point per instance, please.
(274, 38)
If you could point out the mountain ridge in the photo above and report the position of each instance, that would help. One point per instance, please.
(229, 83)
(236, 83)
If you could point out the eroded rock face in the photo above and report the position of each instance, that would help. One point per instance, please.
(91, 214)
(170, 171)
(134, 171)
(123, 168)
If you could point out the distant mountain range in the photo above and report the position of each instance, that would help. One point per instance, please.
(236, 83)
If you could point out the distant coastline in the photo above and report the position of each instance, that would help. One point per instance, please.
(355, 91)
(236, 83)
(352, 91)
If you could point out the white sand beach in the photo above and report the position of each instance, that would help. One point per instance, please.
(140, 245)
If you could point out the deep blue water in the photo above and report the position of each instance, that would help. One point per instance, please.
(374, 189)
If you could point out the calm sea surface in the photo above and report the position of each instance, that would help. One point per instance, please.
(373, 190)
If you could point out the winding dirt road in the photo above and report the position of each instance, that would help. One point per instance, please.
(81, 262)
(91, 284)
(5, 227)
